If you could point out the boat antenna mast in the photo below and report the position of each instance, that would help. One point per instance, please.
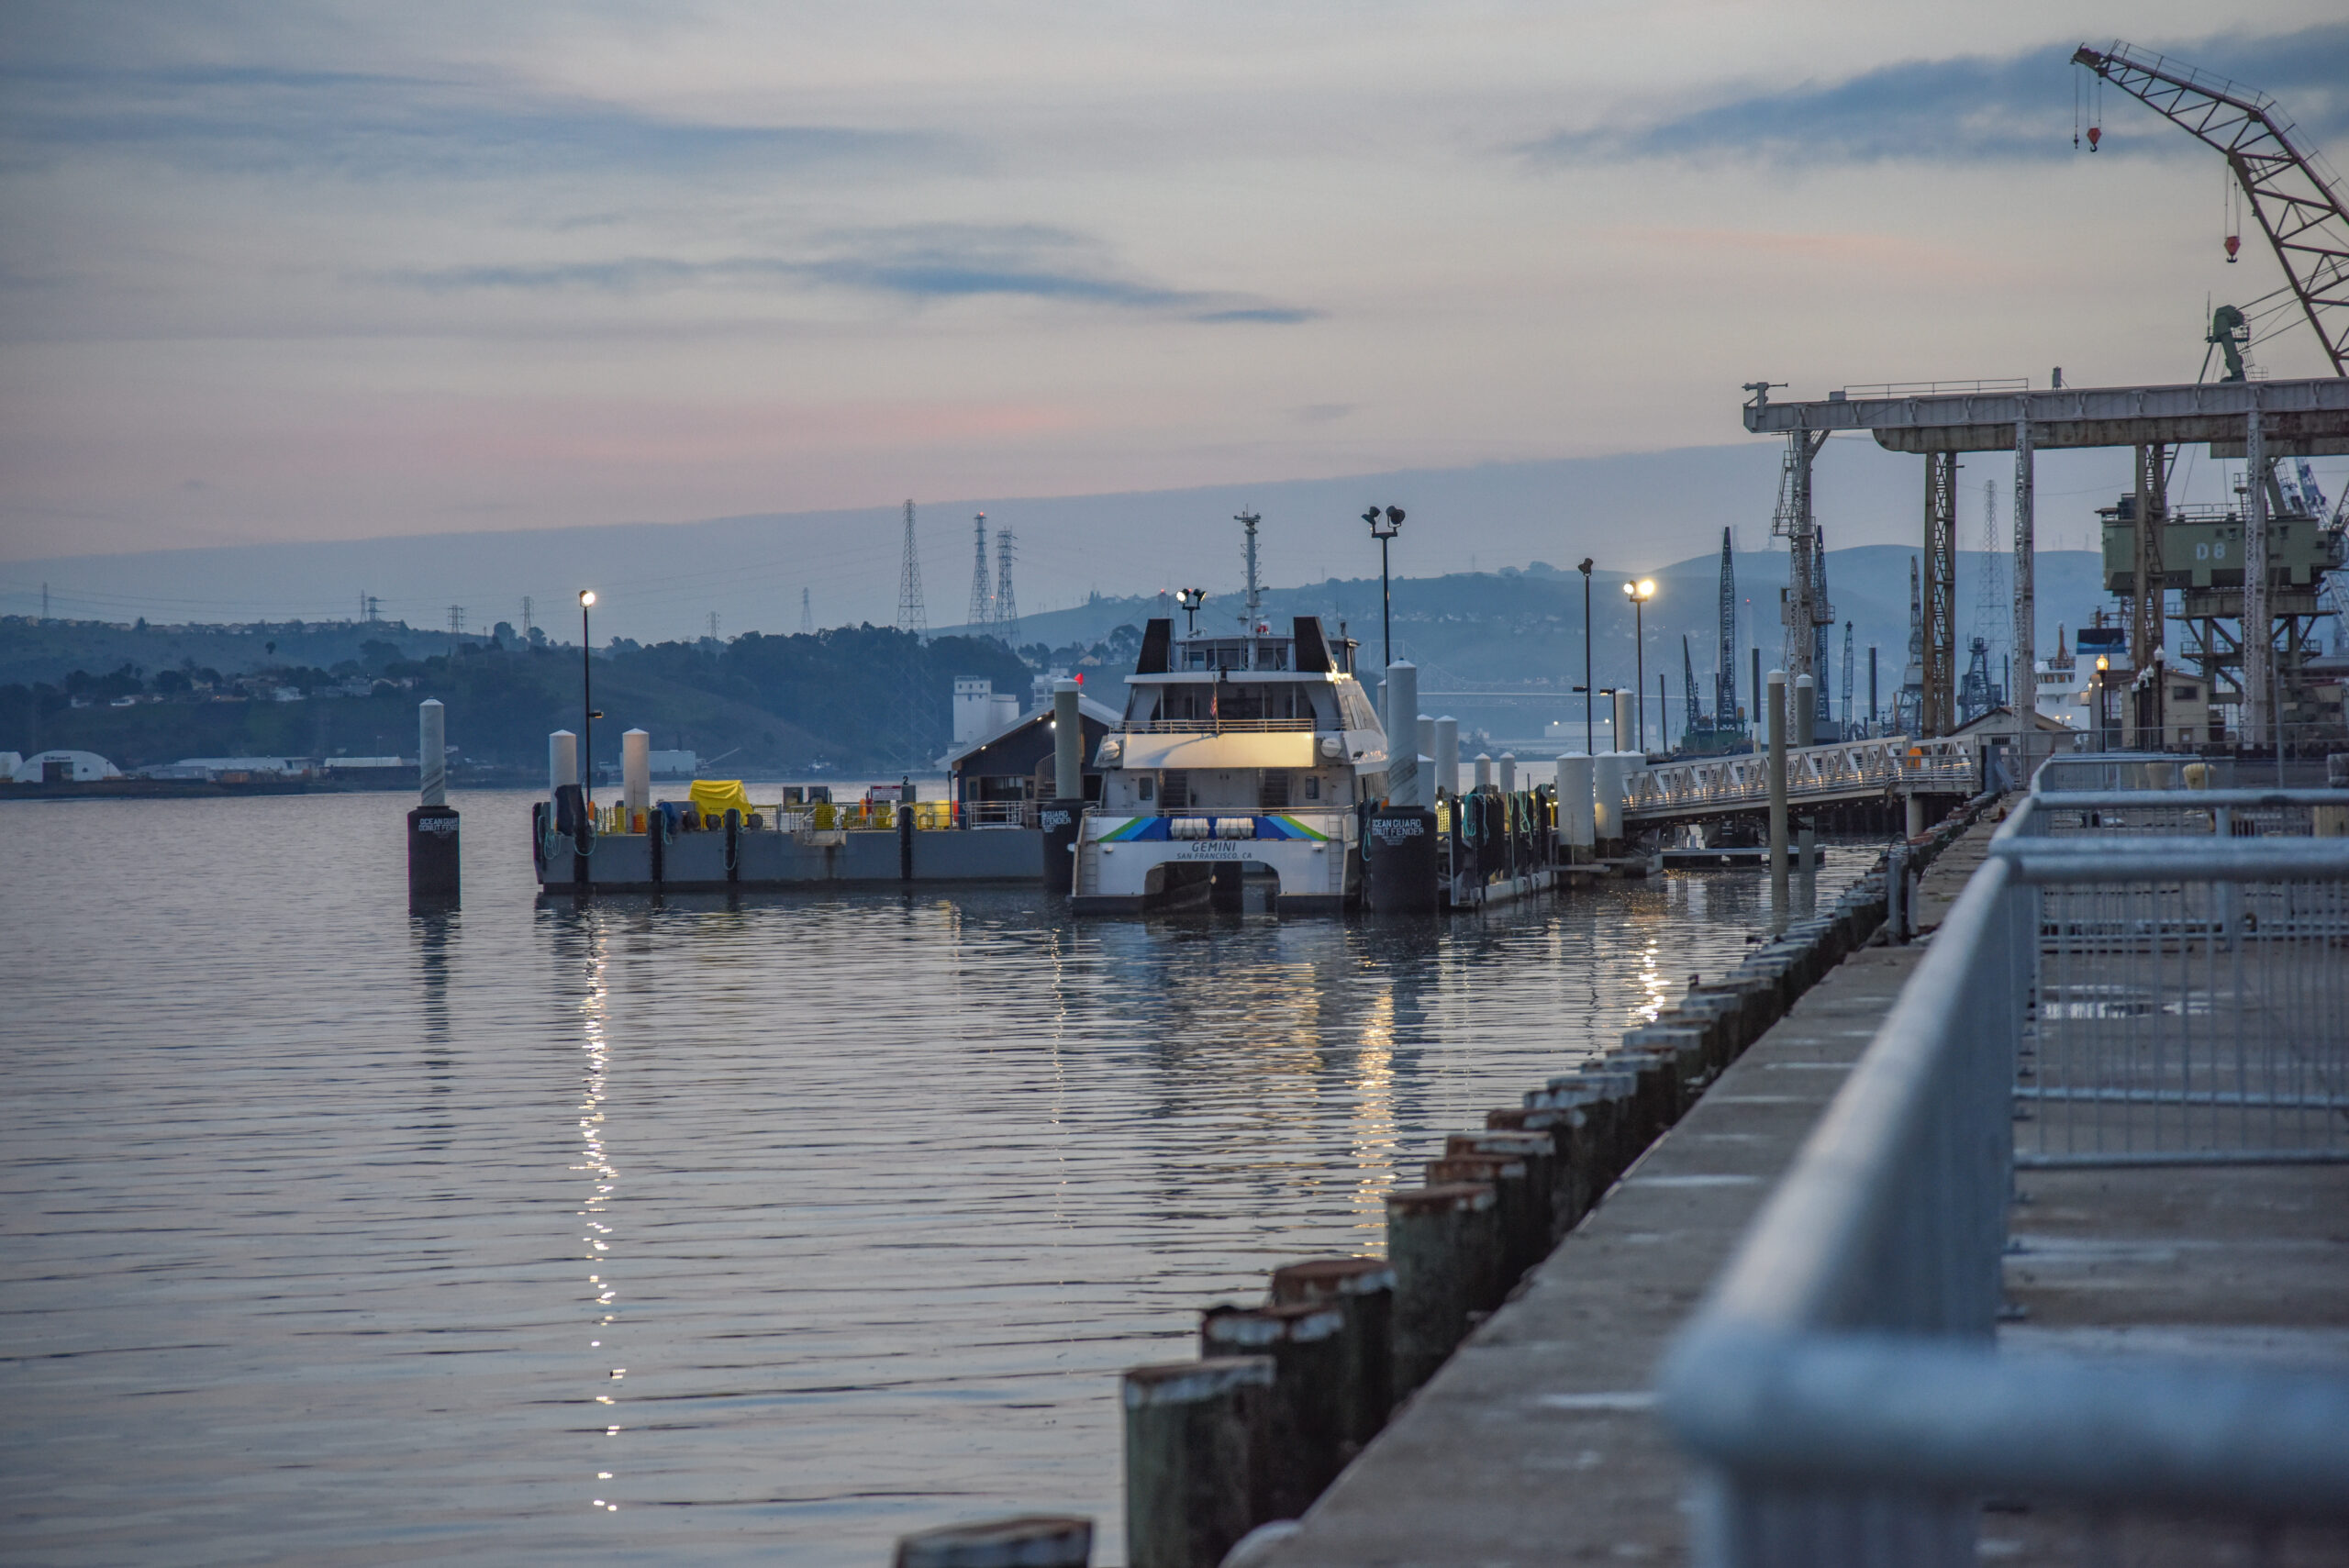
(1248, 520)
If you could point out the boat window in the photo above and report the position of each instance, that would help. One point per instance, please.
(1312, 786)
(1142, 788)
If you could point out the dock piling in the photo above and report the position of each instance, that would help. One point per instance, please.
(1305, 1424)
(1441, 1241)
(432, 848)
(1775, 717)
(1063, 817)
(1194, 1433)
(1364, 1290)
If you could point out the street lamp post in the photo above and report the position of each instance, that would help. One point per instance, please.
(1639, 593)
(1384, 526)
(1589, 748)
(586, 704)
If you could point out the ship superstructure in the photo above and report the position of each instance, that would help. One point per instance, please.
(1239, 756)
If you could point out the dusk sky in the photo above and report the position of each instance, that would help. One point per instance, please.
(282, 273)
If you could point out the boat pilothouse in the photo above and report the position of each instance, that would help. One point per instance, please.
(1238, 755)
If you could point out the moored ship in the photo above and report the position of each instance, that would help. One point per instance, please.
(1243, 758)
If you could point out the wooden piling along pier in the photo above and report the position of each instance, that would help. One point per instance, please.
(1288, 1390)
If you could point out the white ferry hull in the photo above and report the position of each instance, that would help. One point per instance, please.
(1127, 865)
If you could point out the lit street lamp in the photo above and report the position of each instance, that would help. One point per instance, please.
(586, 704)
(1639, 593)
(1384, 527)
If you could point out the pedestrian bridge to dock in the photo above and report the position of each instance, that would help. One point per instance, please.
(1848, 771)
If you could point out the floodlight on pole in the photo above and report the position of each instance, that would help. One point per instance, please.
(1639, 593)
(1384, 527)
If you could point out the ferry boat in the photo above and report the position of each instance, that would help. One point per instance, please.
(1240, 759)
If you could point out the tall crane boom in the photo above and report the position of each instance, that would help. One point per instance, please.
(1725, 678)
(2298, 205)
(1688, 685)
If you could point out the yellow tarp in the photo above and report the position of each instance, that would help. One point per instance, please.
(714, 798)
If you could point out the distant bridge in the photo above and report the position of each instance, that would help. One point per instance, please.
(1816, 775)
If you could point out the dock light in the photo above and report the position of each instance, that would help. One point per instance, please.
(1384, 527)
(2102, 663)
(587, 597)
(1639, 593)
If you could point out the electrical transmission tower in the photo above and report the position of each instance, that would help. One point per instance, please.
(910, 613)
(713, 626)
(1007, 606)
(982, 611)
(456, 620)
(525, 617)
(807, 615)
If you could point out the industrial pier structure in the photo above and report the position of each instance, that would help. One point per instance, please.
(2282, 557)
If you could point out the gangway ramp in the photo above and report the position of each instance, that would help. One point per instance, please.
(1882, 769)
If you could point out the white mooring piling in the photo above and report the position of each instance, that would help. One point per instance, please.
(1577, 823)
(636, 769)
(433, 857)
(1446, 753)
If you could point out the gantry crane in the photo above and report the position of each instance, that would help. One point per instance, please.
(2297, 207)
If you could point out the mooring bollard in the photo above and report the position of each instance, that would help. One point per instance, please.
(1034, 1540)
(1304, 1426)
(1364, 1290)
(432, 858)
(1441, 1241)
(1194, 1434)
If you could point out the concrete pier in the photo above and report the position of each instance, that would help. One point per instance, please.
(1537, 1442)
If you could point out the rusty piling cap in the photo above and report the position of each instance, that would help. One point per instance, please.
(1190, 1383)
(1255, 1328)
(1442, 1197)
(1320, 1277)
(1501, 1142)
(1032, 1541)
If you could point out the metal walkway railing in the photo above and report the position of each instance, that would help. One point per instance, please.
(2176, 1000)
(1852, 770)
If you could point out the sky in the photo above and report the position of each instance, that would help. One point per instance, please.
(304, 273)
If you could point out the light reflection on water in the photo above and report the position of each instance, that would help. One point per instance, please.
(763, 1231)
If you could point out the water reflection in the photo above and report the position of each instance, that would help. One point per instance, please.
(909, 1179)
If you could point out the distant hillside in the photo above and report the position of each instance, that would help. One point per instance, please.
(862, 699)
(1484, 631)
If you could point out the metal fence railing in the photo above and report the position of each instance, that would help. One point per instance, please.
(2130, 769)
(2176, 1000)
(2192, 813)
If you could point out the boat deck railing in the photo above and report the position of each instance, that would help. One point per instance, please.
(1217, 725)
(2172, 1001)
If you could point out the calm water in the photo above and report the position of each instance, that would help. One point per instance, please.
(701, 1232)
